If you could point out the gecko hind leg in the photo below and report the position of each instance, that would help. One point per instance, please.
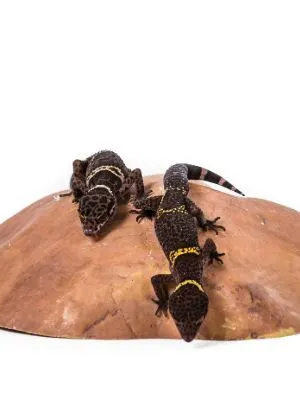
(203, 223)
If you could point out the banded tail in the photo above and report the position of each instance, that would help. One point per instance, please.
(203, 174)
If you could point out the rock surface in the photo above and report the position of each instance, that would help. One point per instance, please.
(54, 281)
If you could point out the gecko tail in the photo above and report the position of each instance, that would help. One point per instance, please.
(199, 173)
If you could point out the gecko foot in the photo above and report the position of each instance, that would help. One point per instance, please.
(162, 307)
(214, 255)
(143, 213)
(211, 225)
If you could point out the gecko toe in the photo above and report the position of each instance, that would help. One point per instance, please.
(220, 227)
(162, 308)
(215, 256)
(211, 225)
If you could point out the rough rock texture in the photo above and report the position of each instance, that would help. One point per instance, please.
(54, 281)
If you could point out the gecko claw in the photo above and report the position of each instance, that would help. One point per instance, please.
(141, 214)
(211, 225)
(214, 255)
(162, 307)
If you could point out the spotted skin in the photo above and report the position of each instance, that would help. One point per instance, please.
(176, 219)
(99, 184)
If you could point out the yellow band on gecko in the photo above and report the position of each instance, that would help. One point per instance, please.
(189, 282)
(174, 254)
(180, 209)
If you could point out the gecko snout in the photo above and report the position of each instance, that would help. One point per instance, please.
(95, 211)
(188, 307)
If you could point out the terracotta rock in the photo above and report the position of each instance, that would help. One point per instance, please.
(54, 281)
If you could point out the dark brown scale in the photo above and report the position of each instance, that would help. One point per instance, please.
(176, 219)
(98, 204)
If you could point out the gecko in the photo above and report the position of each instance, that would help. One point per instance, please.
(181, 292)
(99, 184)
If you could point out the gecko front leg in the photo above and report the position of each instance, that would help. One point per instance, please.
(133, 178)
(161, 285)
(203, 223)
(146, 207)
(209, 254)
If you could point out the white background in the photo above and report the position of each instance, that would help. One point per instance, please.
(214, 83)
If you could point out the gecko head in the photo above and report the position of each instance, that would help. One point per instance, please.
(95, 211)
(188, 306)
